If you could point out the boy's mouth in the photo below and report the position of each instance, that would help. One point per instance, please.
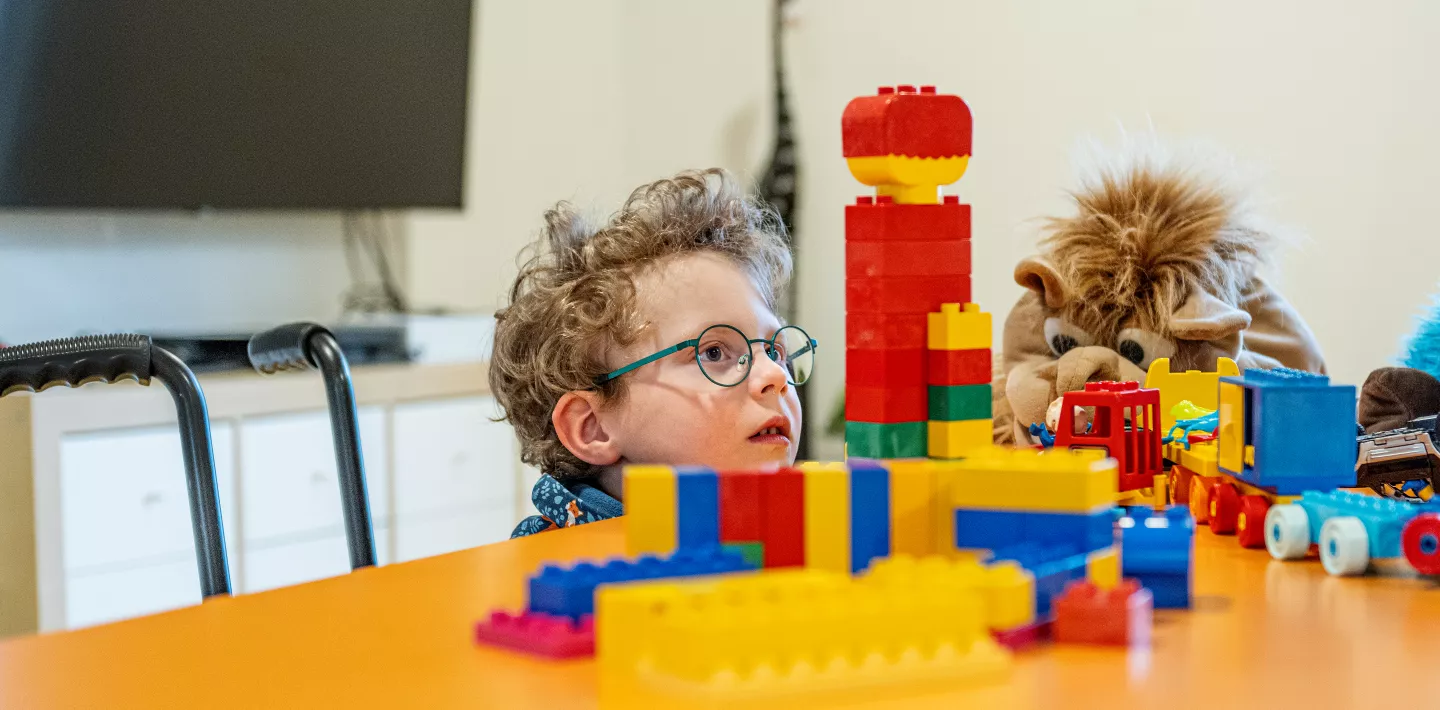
(776, 430)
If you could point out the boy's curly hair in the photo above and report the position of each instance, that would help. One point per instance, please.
(574, 299)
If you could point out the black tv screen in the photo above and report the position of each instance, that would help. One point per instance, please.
(192, 104)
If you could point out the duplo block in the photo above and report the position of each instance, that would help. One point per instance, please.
(885, 368)
(902, 121)
(827, 517)
(752, 552)
(650, 510)
(1121, 616)
(740, 516)
(956, 403)
(932, 258)
(906, 294)
(959, 325)
(887, 405)
(782, 518)
(953, 440)
(539, 634)
(870, 522)
(886, 331)
(997, 529)
(912, 494)
(882, 220)
(901, 440)
(1053, 567)
(570, 591)
(1023, 479)
(1103, 567)
(959, 367)
(697, 508)
(1157, 549)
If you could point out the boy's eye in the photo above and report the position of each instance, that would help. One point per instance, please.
(776, 352)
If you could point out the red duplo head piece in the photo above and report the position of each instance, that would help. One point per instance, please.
(900, 121)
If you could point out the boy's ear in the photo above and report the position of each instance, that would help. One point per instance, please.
(1039, 276)
(577, 424)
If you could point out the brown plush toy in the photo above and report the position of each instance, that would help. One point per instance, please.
(1158, 261)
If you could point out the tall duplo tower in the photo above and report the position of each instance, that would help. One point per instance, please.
(917, 374)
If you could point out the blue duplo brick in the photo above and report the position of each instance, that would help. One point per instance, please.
(1157, 550)
(697, 514)
(1091, 531)
(869, 514)
(989, 529)
(570, 592)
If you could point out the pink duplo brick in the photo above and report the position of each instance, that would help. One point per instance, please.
(538, 634)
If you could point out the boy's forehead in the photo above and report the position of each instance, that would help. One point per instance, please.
(683, 295)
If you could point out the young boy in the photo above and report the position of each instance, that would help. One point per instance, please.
(649, 338)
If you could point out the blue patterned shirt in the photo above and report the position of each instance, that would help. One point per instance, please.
(563, 506)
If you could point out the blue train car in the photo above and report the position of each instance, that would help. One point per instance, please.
(1287, 431)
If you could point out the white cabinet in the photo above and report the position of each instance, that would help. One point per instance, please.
(111, 510)
(125, 516)
(455, 476)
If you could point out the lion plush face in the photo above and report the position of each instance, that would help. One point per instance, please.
(1156, 263)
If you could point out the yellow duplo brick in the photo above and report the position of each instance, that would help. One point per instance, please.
(953, 440)
(1103, 567)
(912, 506)
(958, 327)
(1198, 388)
(650, 509)
(1024, 479)
(1009, 592)
(942, 513)
(797, 638)
(827, 517)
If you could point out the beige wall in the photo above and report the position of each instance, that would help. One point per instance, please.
(1330, 102)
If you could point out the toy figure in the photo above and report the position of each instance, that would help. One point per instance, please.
(1159, 260)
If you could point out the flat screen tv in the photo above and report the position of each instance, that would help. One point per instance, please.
(266, 104)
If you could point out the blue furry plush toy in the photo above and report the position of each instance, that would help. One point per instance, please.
(1423, 350)
(1393, 396)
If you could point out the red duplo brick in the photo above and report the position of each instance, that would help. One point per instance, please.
(864, 259)
(881, 220)
(884, 331)
(782, 518)
(740, 506)
(1117, 617)
(887, 405)
(905, 294)
(959, 367)
(902, 121)
(884, 368)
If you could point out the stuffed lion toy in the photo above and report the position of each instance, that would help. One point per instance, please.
(1158, 261)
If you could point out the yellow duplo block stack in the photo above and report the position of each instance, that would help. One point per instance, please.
(959, 327)
(651, 505)
(827, 516)
(795, 638)
(953, 440)
(1024, 479)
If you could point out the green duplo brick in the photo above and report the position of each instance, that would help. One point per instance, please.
(753, 552)
(959, 403)
(903, 440)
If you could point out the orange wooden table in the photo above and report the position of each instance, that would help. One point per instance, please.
(1262, 634)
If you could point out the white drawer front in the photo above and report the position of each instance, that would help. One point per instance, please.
(123, 495)
(296, 563)
(289, 480)
(451, 458)
(110, 596)
(418, 537)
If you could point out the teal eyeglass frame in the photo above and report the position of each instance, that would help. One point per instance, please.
(810, 345)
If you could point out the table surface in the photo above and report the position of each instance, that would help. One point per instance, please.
(1262, 634)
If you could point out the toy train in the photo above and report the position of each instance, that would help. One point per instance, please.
(1270, 463)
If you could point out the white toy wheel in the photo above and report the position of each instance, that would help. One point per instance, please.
(1344, 546)
(1287, 532)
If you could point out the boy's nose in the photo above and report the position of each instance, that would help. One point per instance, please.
(766, 374)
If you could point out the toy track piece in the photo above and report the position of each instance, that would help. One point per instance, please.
(1421, 542)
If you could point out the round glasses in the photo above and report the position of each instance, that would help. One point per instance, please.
(724, 354)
